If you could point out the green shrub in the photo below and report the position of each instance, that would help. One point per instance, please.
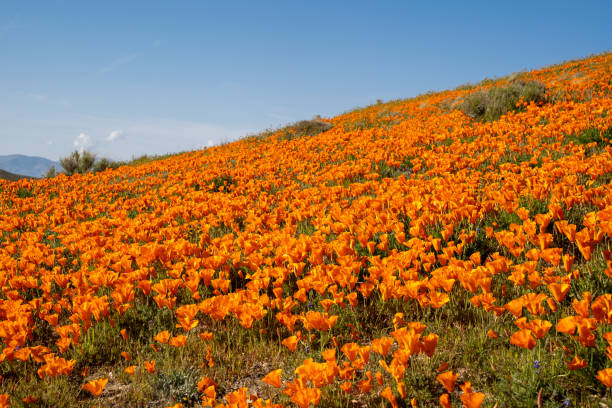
(305, 128)
(101, 165)
(592, 135)
(180, 385)
(78, 162)
(490, 104)
(51, 172)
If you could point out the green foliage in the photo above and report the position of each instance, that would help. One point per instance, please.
(78, 162)
(591, 135)
(219, 231)
(83, 162)
(304, 227)
(222, 181)
(24, 193)
(101, 345)
(305, 128)
(143, 320)
(104, 164)
(490, 104)
(135, 161)
(179, 386)
(51, 173)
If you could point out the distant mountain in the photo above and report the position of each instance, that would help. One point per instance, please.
(30, 166)
(5, 175)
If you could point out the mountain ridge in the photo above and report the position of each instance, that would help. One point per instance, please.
(27, 166)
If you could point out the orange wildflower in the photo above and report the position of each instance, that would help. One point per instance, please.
(273, 378)
(96, 387)
(162, 337)
(523, 339)
(290, 342)
(150, 366)
(576, 363)
(448, 379)
(605, 376)
(445, 401)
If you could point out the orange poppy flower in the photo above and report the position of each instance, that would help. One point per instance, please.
(559, 290)
(206, 336)
(382, 345)
(445, 401)
(576, 363)
(209, 358)
(448, 379)
(429, 344)
(96, 387)
(150, 366)
(346, 386)
(379, 378)
(178, 341)
(273, 378)
(523, 339)
(162, 337)
(206, 382)
(605, 376)
(290, 342)
(388, 395)
(472, 400)
(30, 399)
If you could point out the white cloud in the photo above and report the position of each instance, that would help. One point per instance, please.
(140, 135)
(114, 135)
(82, 142)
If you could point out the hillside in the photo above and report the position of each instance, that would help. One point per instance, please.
(446, 249)
(29, 166)
(5, 175)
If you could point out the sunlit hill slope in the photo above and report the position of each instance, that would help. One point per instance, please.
(453, 248)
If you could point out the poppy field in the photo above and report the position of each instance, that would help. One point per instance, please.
(404, 254)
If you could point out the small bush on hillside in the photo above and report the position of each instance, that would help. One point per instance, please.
(490, 104)
(51, 172)
(306, 128)
(104, 163)
(78, 162)
(84, 162)
(295, 130)
(179, 385)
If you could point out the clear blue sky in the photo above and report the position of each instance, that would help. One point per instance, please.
(125, 78)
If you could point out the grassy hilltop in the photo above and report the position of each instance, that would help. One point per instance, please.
(453, 248)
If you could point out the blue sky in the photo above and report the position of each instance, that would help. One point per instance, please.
(125, 78)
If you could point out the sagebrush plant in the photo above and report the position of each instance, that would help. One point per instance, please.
(397, 255)
(491, 103)
(78, 162)
(295, 130)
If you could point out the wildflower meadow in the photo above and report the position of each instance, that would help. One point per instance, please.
(453, 249)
